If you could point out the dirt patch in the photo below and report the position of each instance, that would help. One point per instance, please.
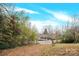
(24, 51)
(43, 50)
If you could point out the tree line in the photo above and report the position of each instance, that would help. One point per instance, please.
(69, 33)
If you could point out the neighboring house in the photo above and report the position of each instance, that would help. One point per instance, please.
(45, 38)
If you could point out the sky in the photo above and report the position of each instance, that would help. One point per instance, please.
(55, 15)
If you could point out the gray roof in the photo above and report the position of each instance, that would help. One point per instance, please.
(45, 36)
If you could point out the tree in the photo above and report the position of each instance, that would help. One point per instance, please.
(14, 28)
(71, 34)
(9, 30)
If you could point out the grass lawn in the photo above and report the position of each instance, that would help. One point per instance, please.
(43, 50)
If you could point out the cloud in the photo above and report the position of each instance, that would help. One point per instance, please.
(57, 15)
(62, 16)
(26, 10)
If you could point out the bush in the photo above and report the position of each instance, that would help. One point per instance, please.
(68, 37)
(4, 45)
(69, 40)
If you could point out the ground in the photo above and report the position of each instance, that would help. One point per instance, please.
(43, 50)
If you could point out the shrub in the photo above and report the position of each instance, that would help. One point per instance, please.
(68, 37)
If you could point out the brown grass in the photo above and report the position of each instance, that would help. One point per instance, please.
(43, 50)
(62, 50)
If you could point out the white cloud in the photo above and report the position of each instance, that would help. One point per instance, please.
(62, 16)
(26, 10)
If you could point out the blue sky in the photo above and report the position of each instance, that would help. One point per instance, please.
(44, 14)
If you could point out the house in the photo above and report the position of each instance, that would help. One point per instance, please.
(45, 38)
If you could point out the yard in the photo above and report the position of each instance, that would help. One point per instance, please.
(43, 50)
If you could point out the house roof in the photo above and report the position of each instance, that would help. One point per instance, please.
(45, 36)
